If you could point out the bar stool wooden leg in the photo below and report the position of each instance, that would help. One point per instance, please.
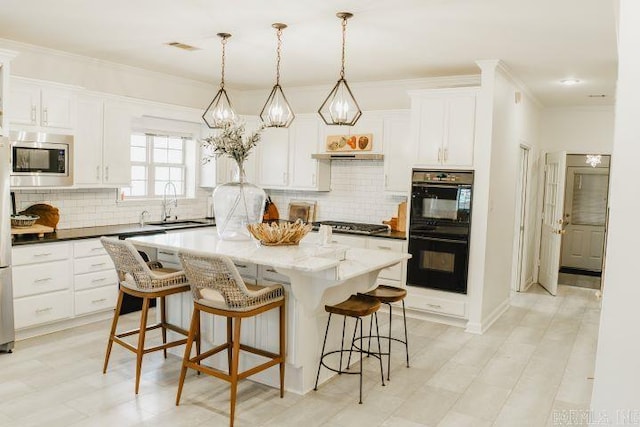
(163, 323)
(143, 330)
(234, 367)
(359, 320)
(389, 356)
(187, 352)
(282, 348)
(344, 325)
(229, 342)
(114, 325)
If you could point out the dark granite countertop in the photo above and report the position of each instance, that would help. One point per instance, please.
(400, 235)
(127, 230)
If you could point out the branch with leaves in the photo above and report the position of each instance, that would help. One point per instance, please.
(232, 142)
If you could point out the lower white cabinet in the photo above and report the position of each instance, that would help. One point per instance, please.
(59, 281)
(42, 284)
(95, 281)
(418, 299)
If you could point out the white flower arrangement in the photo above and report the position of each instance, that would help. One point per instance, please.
(232, 142)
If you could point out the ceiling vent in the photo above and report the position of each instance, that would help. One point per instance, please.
(182, 46)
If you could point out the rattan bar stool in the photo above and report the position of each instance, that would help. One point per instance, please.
(218, 289)
(388, 295)
(357, 307)
(146, 281)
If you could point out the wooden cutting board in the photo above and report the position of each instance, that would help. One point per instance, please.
(38, 229)
(402, 217)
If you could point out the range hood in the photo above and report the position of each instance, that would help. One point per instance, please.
(347, 156)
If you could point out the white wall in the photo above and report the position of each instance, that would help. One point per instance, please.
(511, 123)
(577, 130)
(616, 389)
(102, 76)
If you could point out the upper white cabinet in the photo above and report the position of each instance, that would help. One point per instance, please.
(40, 105)
(399, 154)
(306, 173)
(284, 157)
(102, 142)
(443, 126)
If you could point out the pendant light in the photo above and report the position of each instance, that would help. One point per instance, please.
(219, 110)
(340, 107)
(277, 112)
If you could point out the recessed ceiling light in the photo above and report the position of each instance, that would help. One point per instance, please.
(570, 82)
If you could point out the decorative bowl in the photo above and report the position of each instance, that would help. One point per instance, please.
(23, 221)
(279, 233)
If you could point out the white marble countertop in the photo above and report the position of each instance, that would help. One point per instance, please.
(306, 257)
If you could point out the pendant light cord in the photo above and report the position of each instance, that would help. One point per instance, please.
(278, 52)
(224, 43)
(344, 36)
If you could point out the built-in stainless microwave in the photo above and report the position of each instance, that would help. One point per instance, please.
(41, 159)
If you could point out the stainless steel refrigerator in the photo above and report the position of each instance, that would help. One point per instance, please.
(7, 332)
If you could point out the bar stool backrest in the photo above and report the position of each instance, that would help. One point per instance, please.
(133, 270)
(218, 272)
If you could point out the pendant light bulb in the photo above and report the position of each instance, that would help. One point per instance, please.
(277, 112)
(219, 110)
(340, 107)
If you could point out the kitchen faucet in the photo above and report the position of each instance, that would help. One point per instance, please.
(144, 215)
(167, 203)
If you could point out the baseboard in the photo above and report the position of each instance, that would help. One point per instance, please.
(480, 328)
(433, 317)
(36, 331)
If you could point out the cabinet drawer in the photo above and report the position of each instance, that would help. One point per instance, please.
(268, 273)
(91, 264)
(39, 309)
(168, 256)
(95, 280)
(437, 305)
(40, 278)
(90, 247)
(38, 253)
(394, 272)
(98, 299)
(247, 270)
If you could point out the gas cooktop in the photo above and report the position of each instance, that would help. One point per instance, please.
(352, 227)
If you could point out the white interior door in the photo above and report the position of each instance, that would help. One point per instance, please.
(552, 211)
(521, 203)
(585, 212)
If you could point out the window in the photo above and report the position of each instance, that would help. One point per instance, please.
(157, 160)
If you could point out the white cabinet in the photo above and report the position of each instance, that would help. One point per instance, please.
(399, 154)
(273, 166)
(95, 281)
(41, 283)
(39, 105)
(102, 143)
(284, 157)
(396, 274)
(443, 126)
(306, 173)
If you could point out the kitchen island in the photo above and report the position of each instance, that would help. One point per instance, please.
(316, 275)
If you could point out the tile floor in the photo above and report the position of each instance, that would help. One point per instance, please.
(534, 367)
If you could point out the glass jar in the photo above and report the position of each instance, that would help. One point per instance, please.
(236, 204)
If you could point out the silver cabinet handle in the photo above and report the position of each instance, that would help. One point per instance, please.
(33, 114)
(241, 266)
(446, 154)
(434, 306)
(44, 279)
(96, 301)
(270, 270)
(98, 264)
(98, 173)
(386, 180)
(97, 248)
(44, 310)
(42, 254)
(106, 173)
(45, 116)
(439, 154)
(313, 179)
(166, 253)
(284, 177)
(386, 248)
(102, 279)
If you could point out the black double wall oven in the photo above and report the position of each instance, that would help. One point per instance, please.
(439, 229)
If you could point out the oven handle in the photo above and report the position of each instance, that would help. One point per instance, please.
(429, 185)
(439, 239)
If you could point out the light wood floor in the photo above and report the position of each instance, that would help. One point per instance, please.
(534, 367)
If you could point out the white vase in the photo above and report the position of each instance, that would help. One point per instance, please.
(237, 204)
